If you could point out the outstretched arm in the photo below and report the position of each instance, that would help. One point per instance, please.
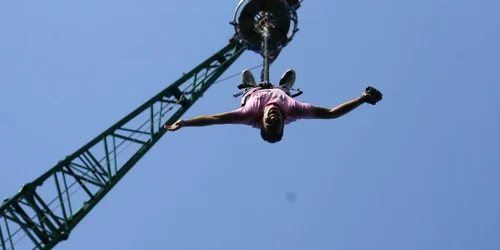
(207, 120)
(340, 110)
(371, 96)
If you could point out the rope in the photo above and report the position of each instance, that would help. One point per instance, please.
(266, 34)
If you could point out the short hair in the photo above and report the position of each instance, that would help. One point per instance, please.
(272, 136)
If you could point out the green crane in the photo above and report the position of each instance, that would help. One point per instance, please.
(46, 210)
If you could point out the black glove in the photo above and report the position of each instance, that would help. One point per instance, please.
(372, 95)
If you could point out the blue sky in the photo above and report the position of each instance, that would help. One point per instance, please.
(417, 171)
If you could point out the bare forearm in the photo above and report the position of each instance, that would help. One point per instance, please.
(340, 110)
(206, 120)
(346, 107)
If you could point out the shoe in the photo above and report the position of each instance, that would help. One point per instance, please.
(288, 79)
(247, 79)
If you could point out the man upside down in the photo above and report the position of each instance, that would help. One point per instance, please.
(270, 109)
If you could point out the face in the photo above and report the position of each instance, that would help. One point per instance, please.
(272, 118)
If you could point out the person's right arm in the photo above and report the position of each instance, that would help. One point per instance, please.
(338, 111)
(309, 111)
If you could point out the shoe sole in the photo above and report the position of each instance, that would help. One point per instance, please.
(290, 79)
(248, 78)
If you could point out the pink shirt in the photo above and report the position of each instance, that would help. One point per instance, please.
(254, 107)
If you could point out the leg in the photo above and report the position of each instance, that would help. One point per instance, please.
(288, 79)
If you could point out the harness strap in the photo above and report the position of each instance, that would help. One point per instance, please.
(249, 92)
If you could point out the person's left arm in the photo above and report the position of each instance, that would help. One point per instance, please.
(232, 117)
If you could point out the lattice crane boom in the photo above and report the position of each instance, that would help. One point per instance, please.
(46, 210)
(82, 179)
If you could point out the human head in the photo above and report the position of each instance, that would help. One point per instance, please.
(272, 124)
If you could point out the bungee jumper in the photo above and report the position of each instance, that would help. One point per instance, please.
(270, 109)
(263, 27)
(36, 219)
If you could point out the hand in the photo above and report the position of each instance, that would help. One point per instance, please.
(177, 125)
(371, 95)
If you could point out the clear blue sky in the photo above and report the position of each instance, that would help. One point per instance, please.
(417, 171)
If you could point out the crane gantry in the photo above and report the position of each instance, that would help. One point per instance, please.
(47, 209)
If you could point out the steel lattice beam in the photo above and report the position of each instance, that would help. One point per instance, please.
(44, 212)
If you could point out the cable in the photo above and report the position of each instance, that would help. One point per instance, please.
(236, 74)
